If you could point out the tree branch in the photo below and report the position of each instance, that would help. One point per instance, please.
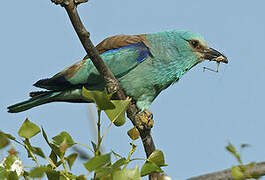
(112, 84)
(256, 170)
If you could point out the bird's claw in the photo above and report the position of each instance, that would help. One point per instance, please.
(146, 118)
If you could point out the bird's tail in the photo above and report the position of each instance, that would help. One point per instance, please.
(37, 99)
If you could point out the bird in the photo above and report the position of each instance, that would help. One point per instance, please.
(144, 65)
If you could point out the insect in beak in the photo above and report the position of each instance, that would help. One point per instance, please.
(213, 55)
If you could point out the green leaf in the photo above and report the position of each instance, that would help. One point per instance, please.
(45, 136)
(12, 175)
(35, 150)
(157, 157)
(71, 159)
(101, 98)
(4, 141)
(53, 175)
(94, 145)
(54, 148)
(28, 129)
(81, 177)
(109, 177)
(119, 163)
(232, 150)
(133, 133)
(56, 175)
(57, 150)
(128, 174)
(97, 162)
(3, 173)
(105, 171)
(150, 167)
(26, 175)
(117, 115)
(63, 136)
(53, 157)
(38, 151)
(38, 172)
(63, 146)
(237, 173)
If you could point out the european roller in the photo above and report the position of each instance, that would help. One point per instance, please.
(144, 65)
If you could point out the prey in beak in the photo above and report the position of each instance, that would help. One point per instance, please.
(207, 53)
(213, 55)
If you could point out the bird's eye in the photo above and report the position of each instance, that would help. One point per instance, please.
(194, 43)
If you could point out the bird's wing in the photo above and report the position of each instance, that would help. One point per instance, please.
(121, 54)
(119, 41)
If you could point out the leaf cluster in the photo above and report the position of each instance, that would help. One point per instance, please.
(241, 172)
(58, 165)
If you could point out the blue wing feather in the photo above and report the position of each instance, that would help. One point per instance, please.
(120, 61)
(140, 47)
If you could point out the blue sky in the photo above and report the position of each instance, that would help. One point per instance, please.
(194, 119)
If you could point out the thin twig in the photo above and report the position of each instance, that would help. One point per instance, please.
(32, 155)
(97, 152)
(105, 132)
(64, 166)
(130, 154)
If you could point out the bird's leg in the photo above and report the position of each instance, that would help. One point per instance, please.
(146, 118)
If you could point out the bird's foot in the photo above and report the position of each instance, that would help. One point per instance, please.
(146, 118)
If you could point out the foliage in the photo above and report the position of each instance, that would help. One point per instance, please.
(59, 166)
(240, 172)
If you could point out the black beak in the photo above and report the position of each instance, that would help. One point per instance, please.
(213, 55)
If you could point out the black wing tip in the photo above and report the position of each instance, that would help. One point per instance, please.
(58, 83)
(11, 109)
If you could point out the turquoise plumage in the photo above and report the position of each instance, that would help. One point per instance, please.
(143, 64)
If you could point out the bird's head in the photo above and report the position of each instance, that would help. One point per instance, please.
(192, 46)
